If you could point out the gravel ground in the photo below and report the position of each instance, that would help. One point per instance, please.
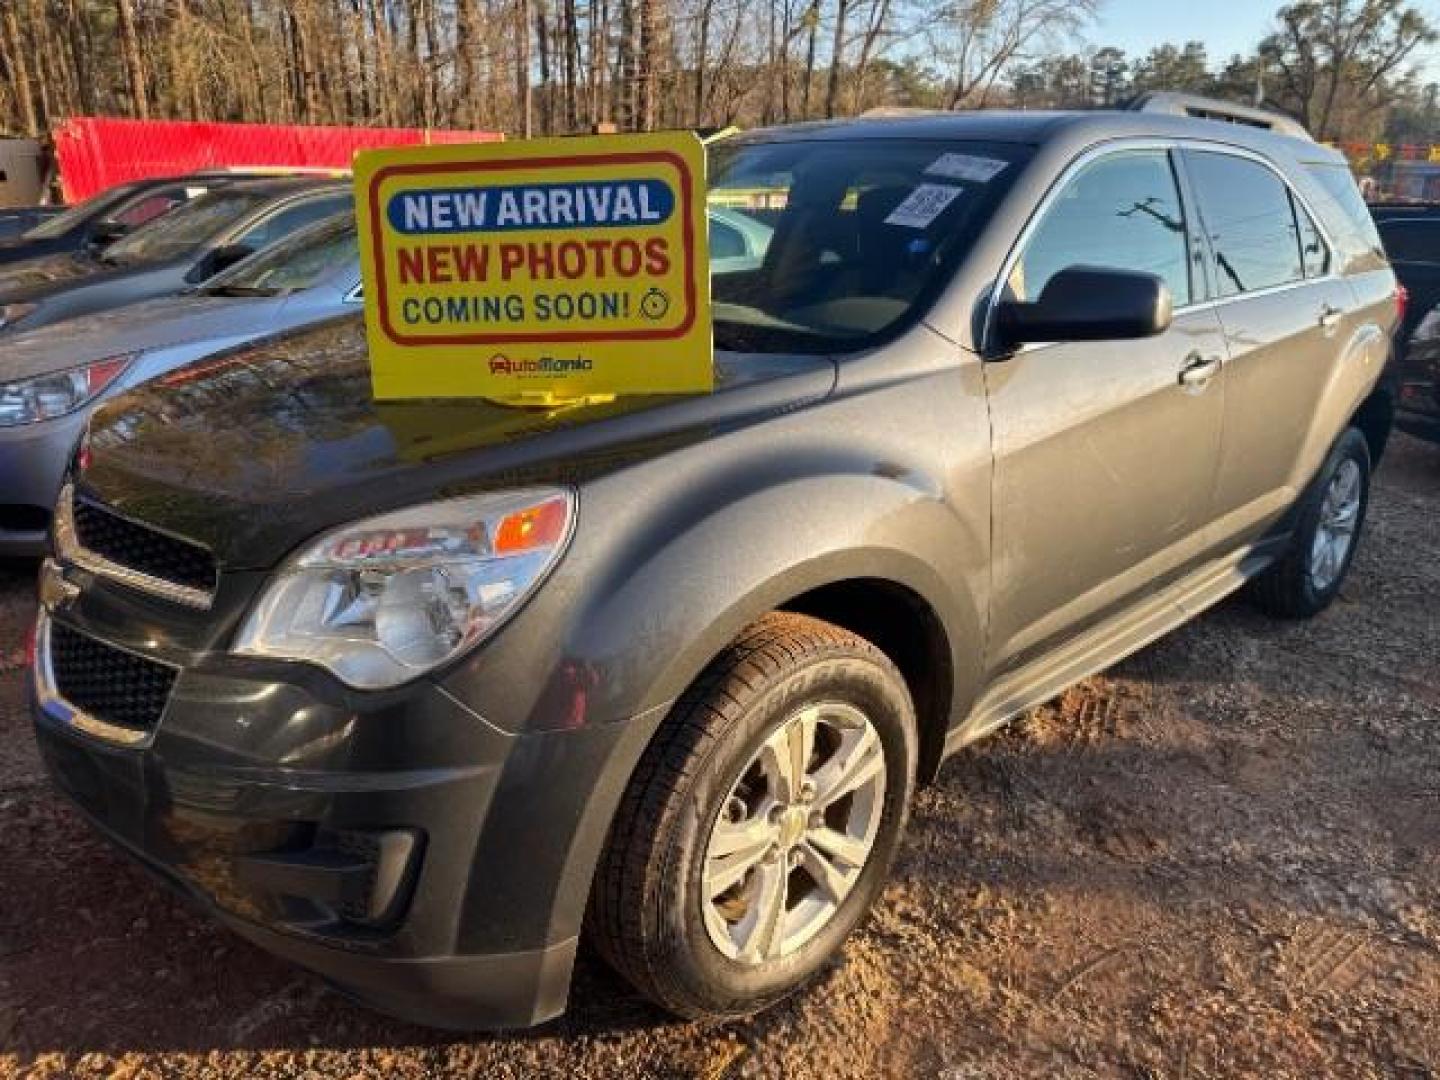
(1220, 858)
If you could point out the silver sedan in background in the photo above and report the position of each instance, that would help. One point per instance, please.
(53, 377)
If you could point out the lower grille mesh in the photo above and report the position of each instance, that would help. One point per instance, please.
(110, 684)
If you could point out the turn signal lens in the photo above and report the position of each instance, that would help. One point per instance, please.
(531, 528)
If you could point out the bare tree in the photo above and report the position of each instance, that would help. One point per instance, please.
(1327, 51)
(982, 38)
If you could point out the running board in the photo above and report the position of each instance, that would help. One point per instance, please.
(1110, 642)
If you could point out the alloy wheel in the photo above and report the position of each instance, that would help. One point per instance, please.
(1335, 533)
(794, 833)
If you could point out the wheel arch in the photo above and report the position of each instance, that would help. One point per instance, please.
(1375, 418)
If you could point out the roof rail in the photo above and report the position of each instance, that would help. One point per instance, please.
(885, 112)
(1204, 108)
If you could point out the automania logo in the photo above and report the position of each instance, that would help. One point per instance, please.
(545, 365)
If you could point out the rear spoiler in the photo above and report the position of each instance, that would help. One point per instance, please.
(1204, 108)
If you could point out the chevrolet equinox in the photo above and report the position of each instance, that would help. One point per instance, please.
(416, 694)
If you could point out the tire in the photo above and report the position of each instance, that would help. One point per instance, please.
(1301, 585)
(719, 753)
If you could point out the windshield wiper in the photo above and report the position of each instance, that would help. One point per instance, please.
(242, 290)
(735, 336)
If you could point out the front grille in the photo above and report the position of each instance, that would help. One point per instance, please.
(112, 685)
(135, 547)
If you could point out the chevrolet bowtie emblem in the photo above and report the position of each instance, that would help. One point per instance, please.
(56, 590)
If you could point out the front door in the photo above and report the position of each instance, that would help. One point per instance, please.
(1105, 452)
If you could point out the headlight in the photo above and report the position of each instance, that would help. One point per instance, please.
(13, 313)
(384, 600)
(43, 397)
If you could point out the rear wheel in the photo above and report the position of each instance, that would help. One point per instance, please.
(1308, 578)
(761, 822)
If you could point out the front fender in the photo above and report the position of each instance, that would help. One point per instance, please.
(665, 605)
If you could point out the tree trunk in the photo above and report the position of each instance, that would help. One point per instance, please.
(702, 58)
(134, 62)
(380, 35)
(542, 38)
(878, 16)
(837, 58)
(626, 65)
(649, 67)
(523, 100)
(813, 17)
(467, 41)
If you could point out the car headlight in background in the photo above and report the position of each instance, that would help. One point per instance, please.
(384, 600)
(13, 313)
(44, 397)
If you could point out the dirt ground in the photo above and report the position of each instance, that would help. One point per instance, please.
(1221, 858)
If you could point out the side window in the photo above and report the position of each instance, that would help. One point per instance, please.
(284, 222)
(1122, 212)
(1247, 214)
(1313, 250)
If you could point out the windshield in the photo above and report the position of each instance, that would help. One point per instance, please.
(824, 246)
(93, 207)
(185, 228)
(300, 262)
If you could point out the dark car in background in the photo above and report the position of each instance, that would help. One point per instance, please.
(102, 218)
(414, 692)
(1411, 236)
(181, 249)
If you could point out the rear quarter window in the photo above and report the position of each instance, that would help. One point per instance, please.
(1355, 230)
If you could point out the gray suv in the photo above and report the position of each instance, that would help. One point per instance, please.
(417, 694)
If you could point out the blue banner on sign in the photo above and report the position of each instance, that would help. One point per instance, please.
(583, 205)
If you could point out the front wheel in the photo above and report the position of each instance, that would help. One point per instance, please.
(1308, 578)
(761, 821)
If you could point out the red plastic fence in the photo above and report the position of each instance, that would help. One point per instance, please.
(94, 153)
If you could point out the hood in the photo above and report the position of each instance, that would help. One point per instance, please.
(152, 324)
(254, 451)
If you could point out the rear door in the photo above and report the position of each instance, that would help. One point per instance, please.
(1104, 459)
(1285, 312)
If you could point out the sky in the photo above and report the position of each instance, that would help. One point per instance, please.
(1225, 26)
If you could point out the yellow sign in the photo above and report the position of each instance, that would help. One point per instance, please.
(536, 271)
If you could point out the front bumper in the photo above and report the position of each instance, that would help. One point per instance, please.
(422, 860)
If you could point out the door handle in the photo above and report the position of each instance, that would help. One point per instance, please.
(1330, 317)
(1198, 370)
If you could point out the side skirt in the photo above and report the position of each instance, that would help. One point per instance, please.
(1112, 641)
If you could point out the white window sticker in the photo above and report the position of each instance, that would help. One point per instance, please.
(923, 205)
(978, 170)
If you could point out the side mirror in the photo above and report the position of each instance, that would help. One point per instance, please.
(106, 231)
(1088, 303)
(221, 258)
